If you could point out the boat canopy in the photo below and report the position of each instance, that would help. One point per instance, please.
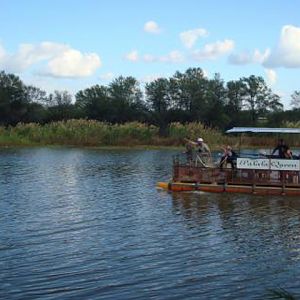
(262, 130)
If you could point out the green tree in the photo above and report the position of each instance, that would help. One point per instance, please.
(13, 101)
(295, 102)
(60, 106)
(215, 98)
(187, 93)
(234, 102)
(126, 100)
(34, 94)
(159, 102)
(258, 98)
(94, 103)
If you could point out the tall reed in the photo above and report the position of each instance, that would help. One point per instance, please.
(80, 132)
(94, 133)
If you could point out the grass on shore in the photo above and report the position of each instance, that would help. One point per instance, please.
(94, 133)
(99, 134)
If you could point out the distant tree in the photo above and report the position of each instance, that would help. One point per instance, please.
(295, 102)
(184, 97)
(234, 101)
(215, 99)
(59, 98)
(274, 104)
(94, 103)
(60, 106)
(36, 113)
(187, 93)
(159, 102)
(126, 100)
(13, 101)
(258, 98)
(34, 94)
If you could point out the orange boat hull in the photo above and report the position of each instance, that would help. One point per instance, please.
(227, 188)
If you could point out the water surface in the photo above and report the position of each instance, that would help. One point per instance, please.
(90, 224)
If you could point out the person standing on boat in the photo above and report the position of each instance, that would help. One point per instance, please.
(288, 154)
(189, 152)
(203, 155)
(282, 149)
(202, 147)
(228, 157)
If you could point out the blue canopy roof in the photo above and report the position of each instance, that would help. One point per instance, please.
(262, 130)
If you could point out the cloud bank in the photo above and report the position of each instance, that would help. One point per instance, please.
(59, 60)
(214, 50)
(245, 58)
(285, 54)
(208, 52)
(190, 37)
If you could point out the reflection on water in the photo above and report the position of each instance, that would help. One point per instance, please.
(89, 224)
(256, 239)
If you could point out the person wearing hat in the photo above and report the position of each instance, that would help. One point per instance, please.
(202, 147)
(203, 152)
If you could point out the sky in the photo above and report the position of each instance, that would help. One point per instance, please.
(73, 45)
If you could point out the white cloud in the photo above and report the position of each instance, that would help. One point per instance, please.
(29, 54)
(61, 60)
(245, 58)
(152, 27)
(132, 56)
(173, 57)
(190, 37)
(287, 52)
(107, 76)
(72, 63)
(271, 76)
(259, 57)
(213, 51)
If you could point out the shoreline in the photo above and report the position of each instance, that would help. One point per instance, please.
(124, 147)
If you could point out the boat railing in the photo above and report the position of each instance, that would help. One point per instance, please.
(200, 174)
(254, 169)
(197, 159)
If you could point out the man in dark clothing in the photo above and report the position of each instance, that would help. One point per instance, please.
(229, 156)
(281, 148)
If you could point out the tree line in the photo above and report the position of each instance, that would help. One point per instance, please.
(185, 97)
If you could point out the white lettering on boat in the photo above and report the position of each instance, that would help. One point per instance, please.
(268, 164)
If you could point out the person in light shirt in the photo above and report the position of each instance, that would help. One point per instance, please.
(202, 147)
(203, 156)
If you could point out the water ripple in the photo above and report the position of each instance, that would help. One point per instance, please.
(89, 224)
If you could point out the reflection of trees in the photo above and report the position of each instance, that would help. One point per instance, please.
(254, 227)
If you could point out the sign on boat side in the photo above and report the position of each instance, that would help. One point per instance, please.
(268, 164)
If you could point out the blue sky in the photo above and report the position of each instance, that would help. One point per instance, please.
(72, 45)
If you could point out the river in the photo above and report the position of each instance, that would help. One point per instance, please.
(90, 224)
